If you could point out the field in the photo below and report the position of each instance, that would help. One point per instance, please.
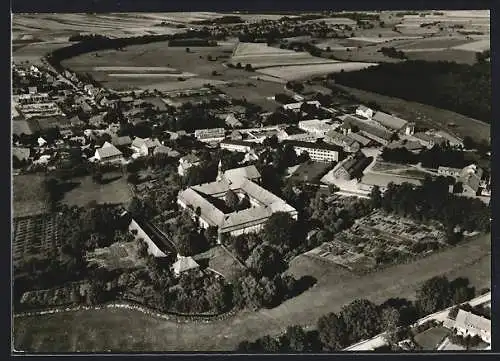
(426, 115)
(158, 66)
(103, 329)
(295, 72)
(431, 338)
(260, 55)
(117, 256)
(29, 196)
(309, 172)
(255, 93)
(117, 191)
(34, 236)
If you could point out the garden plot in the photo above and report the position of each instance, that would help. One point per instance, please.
(379, 239)
(29, 195)
(294, 72)
(117, 256)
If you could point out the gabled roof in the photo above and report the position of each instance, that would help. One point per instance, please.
(470, 321)
(184, 264)
(359, 138)
(108, 150)
(248, 172)
(389, 121)
(148, 142)
(122, 141)
(166, 150)
(232, 121)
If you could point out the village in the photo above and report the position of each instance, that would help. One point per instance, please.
(199, 203)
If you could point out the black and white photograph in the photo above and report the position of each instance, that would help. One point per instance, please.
(251, 182)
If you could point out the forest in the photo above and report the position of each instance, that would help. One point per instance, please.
(465, 89)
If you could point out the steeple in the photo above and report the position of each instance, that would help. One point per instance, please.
(220, 174)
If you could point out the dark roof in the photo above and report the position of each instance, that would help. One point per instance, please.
(293, 130)
(316, 145)
(237, 142)
(366, 127)
(121, 141)
(356, 164)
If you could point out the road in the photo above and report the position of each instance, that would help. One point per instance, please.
(335, 287)
(440, 316)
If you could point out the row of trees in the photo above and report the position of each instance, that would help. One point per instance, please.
(362, 319)
(438, 155)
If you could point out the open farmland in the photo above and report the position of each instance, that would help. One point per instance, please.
(260, 55)
(295, 72)
(29, 196)
(480, 45)
(103, 329)
(426, 115)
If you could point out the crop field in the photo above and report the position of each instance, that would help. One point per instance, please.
(426, 115)
(442, 42)
(377, 39)
(117, 256)
(101, 330)
(157, 66)
(294, 72)
(456, 55)
(260, 55)
(257, 93)
(117, 191)
(29, 196)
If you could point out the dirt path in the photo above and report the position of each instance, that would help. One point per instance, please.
(128, 330)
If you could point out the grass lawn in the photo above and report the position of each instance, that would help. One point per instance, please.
(117, 191)
(310, 171)
(431, 338)
(29, 196)
(426, 115)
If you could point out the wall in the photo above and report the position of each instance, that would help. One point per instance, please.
(152, 248)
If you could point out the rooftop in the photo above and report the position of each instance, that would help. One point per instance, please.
(389, 121)
(316, 145)
(470, 321)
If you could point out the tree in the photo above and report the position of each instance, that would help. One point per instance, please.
(297, 339)
(188, 50)
(433, 295)
(332, 332)
(279, 229)
(133, 178)
(97, 177)
(231, 200)
(362, 320)
(376, 197)
(265, 260)
(248, 67)
(391, 320)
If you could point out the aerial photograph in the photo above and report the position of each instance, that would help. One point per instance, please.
(244, 182)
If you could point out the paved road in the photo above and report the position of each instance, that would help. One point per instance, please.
(335, 288)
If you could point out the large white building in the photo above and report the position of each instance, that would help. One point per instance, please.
(108, 153)
(206, 202)
(213, 135)
(317, 127)
(320, 152)
(469, 324)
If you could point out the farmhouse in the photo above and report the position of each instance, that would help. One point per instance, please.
(295, 107)
(320, 152)
(187, 162)
(124, 141)
(449, 172)
(364, 111)
(207, 202)
(368, 129)
(411, 145)
(467, 323)
(108, 153)
(213, 135)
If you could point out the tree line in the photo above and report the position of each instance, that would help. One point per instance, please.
(362, 319)
(433, 83)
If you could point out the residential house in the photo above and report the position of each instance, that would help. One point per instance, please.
(295, 107)
(428, 140)
(319, 151)
(187, 162)
(108, 153)
(183, 265)
(364, 111)
(347, 143)
(121, 142)
(367, 128)
(144, 146)
(169, 152)
(469, 324)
